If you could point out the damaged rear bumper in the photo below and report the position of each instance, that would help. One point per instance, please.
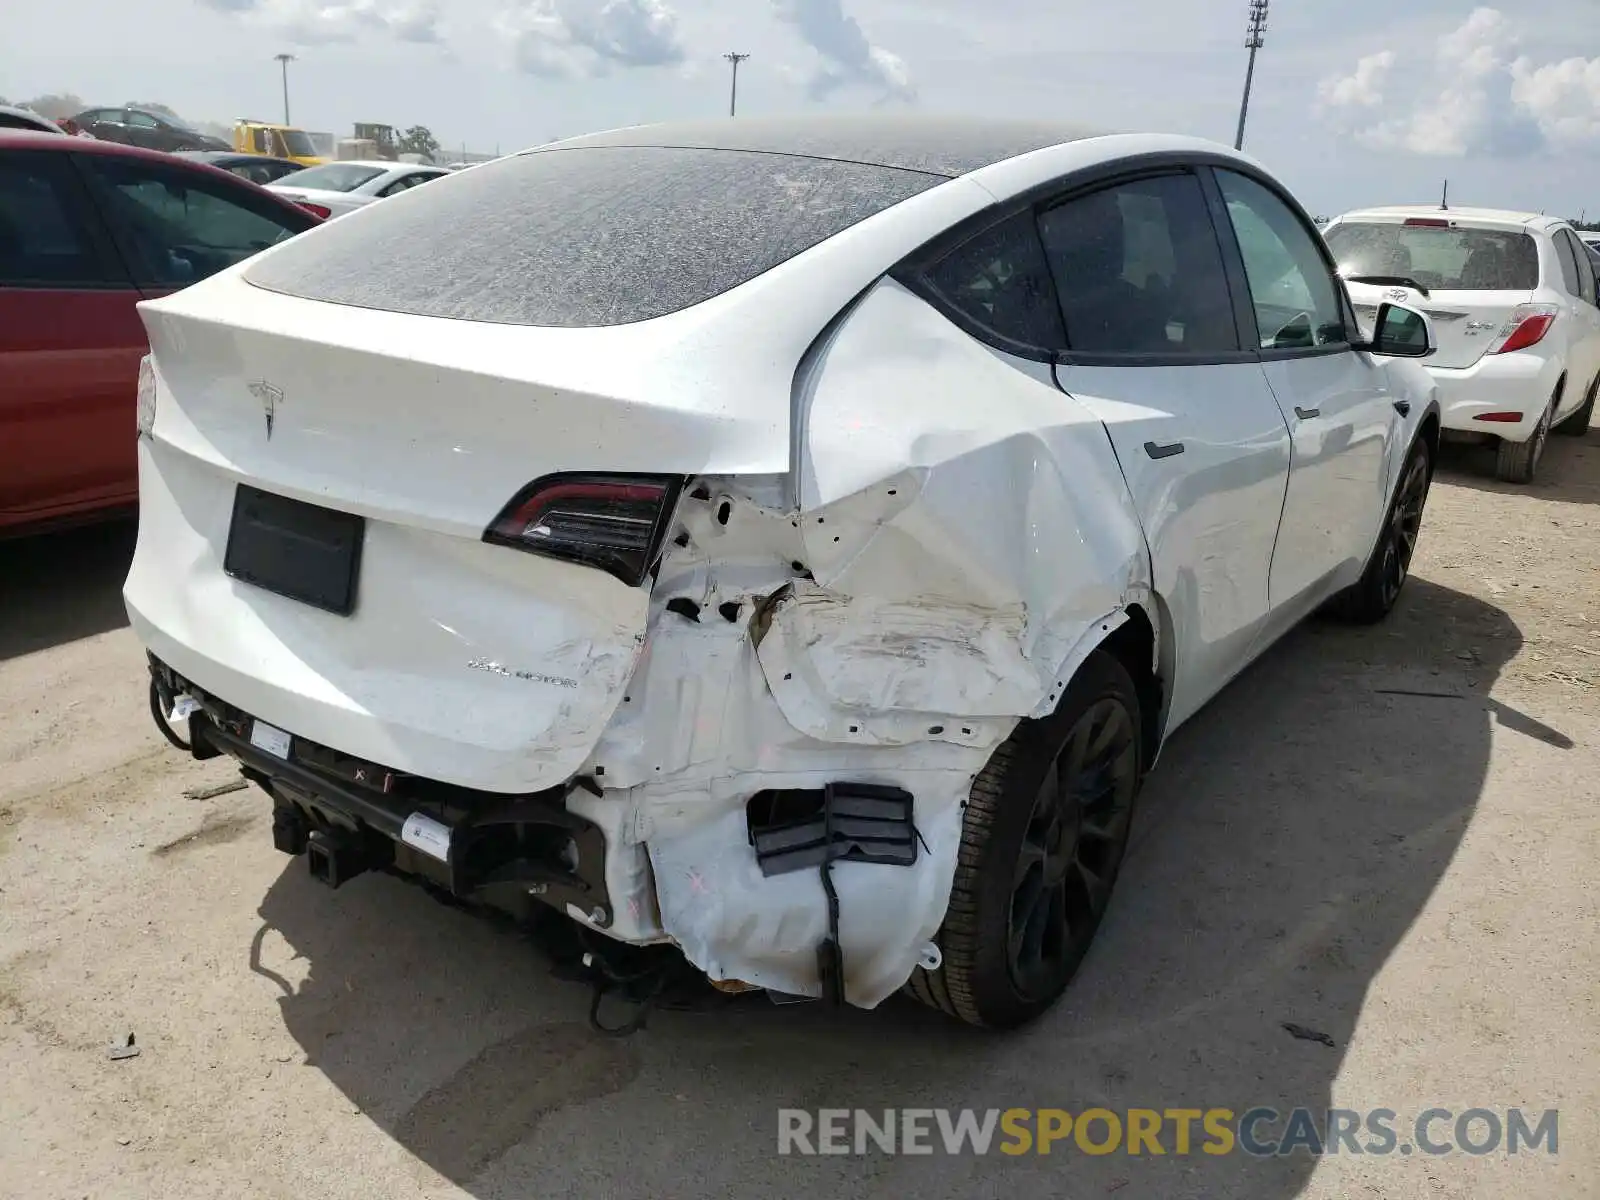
(350, 816)
(824, 887)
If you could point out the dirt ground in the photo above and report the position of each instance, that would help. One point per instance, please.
(1389, 836)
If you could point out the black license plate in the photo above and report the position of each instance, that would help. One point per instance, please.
(299, 550)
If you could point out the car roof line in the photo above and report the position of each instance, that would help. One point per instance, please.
(859, 162)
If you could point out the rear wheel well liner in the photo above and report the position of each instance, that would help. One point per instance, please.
(1134, 645)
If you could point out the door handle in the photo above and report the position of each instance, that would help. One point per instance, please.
(1156, 451)
(1403, 407)
(1305, 414)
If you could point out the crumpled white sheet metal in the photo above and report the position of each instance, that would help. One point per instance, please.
(961, 539)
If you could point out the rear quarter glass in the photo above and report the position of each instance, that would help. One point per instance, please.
(586, 237)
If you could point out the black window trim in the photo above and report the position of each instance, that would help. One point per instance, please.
(910, 272)
(84, 216)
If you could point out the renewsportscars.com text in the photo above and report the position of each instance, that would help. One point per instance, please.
(1261, 1132)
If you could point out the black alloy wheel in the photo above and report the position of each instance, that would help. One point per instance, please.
(1373, 596)
(1071, 849)
(1043, 835)
(1405, 522)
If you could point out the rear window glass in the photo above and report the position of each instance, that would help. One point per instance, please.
(1451, 260)
(336, 177)
(588, 237)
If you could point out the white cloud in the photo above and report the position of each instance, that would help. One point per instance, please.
(1564, 98)
(1361, 89)
(1477, 97)
(311, 22)
(848, 57)
(576, 39)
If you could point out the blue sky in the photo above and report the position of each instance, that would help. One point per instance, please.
(1356, 103)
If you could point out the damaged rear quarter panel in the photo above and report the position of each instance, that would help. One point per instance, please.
(967, 527)
(958, 538)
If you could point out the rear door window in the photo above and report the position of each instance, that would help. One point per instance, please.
(1139, 271)
(403, 183)
(1439, 255)
(177, 227)
(45, 235)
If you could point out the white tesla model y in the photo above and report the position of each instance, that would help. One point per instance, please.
(788, 540)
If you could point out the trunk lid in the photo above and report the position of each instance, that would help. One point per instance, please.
(1467, 273)
(463, 661)
(1466, 324)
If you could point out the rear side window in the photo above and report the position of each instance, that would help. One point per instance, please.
(999, 279)
(176, 227)
(1586, 273)
(1139, 270)
(1567, 254)
(42, 241)
(585, 237)
(1439, 257)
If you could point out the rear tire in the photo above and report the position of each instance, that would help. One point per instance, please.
(1373, 596)
(1578, 423)
(1043, 836)
(1516, 462)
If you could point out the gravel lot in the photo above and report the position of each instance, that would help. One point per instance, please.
(1412, 874)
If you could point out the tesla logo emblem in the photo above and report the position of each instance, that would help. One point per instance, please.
(1395, 294)
(270, 398)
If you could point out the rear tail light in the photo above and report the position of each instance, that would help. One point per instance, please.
(145, 408)
(1505, 418)
(614, 522)
(316, 210)
(1528, 324)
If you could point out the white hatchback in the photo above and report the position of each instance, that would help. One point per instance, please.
(1512, 299)
(791, 541)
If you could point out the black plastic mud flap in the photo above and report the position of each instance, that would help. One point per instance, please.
(798, 828)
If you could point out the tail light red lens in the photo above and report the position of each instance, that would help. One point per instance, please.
(321, 211)
(614, 522)
(1427, 222)
(1527, 326)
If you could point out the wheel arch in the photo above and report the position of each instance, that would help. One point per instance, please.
(1142, 643)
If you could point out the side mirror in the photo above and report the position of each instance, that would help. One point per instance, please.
(1400, 332)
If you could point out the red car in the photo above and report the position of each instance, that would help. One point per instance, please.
(87, 230)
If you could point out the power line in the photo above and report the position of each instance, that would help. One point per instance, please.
(1254, 39)
(733, 98)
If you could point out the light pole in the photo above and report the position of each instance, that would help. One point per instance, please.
(283, 61)
(733, 98)
(1254, 40)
